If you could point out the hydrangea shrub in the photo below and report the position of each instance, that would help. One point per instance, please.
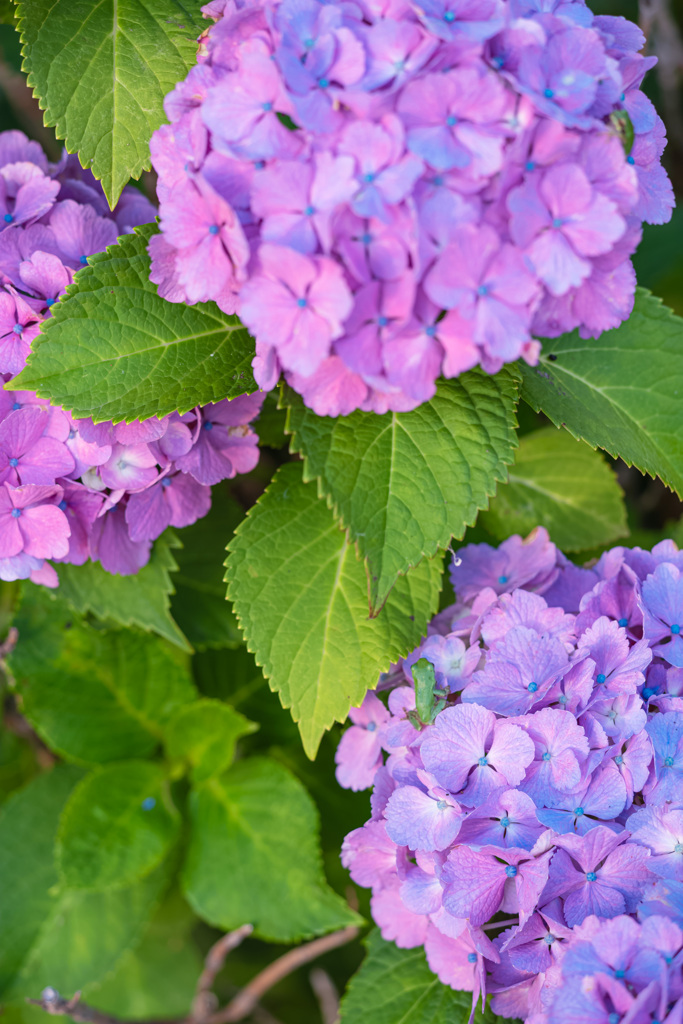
(528, 833)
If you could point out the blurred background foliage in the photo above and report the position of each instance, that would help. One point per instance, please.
(161, 980)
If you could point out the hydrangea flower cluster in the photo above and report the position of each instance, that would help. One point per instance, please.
(71, 490)
(390, 190)
(530, 834)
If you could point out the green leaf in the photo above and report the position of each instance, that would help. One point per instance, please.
(141, 600)
(205, 734)
(563, 485)
(114, 350)
(622, 391)
(28, 825)
(200, 606)
(101, 70)
(300, 594)
(396, 986)
(94, 696)
(254, 856)
(7, 12)
(405, 483)
(86, 935)
(158, 978)
(117, 826)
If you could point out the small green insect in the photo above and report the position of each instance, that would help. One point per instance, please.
(429, 700)
(623, 127)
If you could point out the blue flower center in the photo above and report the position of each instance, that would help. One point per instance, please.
(578, 811)
(502, 580)
(498, 62)
(548, 93)
(441, 805)
(17, 405)
(620, 974)
(563, 699)
(472, 958)
(647, 692)
(8, 218)
(451, 120)
(669, 762)
(483, 289)
(62, 505)
(366, 238)
(511, 870)
(83, 260)
(438, 180)
(16, 512)
(166, 482)
(382, 321)
(208, 425)
(619, 759)
(675, 629)
(323, 82)
(13, 463)
(369, 176)
(505, 822)
(18, 328)
(678, 848)
(591, 876)
(213, 230)
(613, 1018)
(449, 16)
(601, 677)
(309, 211)
(530, 166)
(267, 106)
(549, 939)
(309, 43)
(482, 762)
(301, 303)
(557, 222)
(371, 726)
(546, 756)
(532, 687)
(50, 302)
(430, 331)
(623, 623)
(148, 803)
(630, 160)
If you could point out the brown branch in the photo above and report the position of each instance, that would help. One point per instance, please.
(51, 1001)
(204, 1002)
(326, 994)
(245, 1000)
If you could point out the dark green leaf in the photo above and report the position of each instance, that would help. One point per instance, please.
(114, 350)
(254, 856)
(28, 876)
(101, 71)
(204, 734)
(622, 391)
(405, 483)
(300, 594)
(141, 600)
(117, 826)
(199, 605)
(561, 484)
(94, 696)
(396, 986)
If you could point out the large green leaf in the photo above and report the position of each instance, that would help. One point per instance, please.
(28, 876)
(94, 695)
(114, 350)
(396, 986)
(622, 391)
(205, 734)
(561, 484)
(141, 600)
(405, 483)
(101, 69)
(117, 826)
(254, 856)
(87, 934)
(300, 594)
(199, 604)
